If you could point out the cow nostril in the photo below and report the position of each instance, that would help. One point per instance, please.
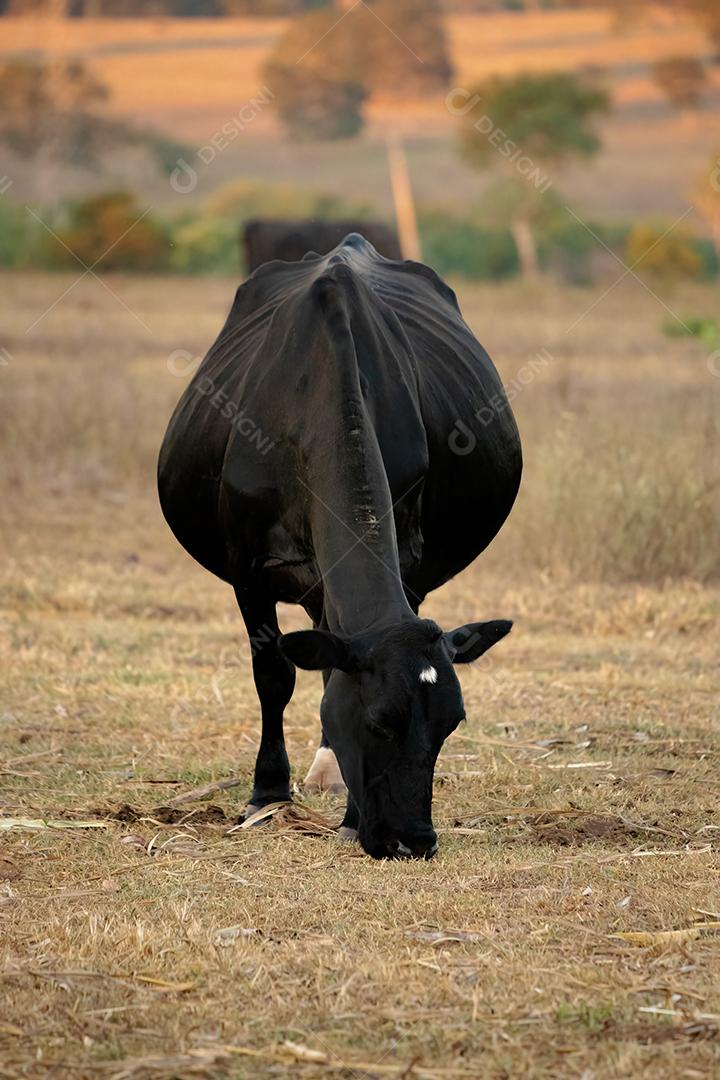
(398, 850)
(431, 851)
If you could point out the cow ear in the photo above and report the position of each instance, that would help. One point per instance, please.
(316, 650)
(468, 642)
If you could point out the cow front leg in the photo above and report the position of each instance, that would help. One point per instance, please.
(274, 681)
(349, 826)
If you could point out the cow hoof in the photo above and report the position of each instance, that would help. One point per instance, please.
(347, 835)
(324, 773)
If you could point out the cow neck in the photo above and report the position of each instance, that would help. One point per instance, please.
(351, 516)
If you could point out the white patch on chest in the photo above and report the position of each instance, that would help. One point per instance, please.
(428, 675)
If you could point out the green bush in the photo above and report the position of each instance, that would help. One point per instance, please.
(709, 256)
(654, 252)
(209, 240)
(705, 328)
(566, 246)
(20, 239)
(112, 230)
(206, 245)
(458, 246)
(245, 199)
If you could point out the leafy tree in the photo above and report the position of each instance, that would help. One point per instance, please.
(526, 124)
(48, 115)
(399, 47)
(708, 13)
(265, 8)
(52, 114)
(682, 80)
(321, 106)
(515, 205)
(121, 8)
(40, 101)
(313, 80)
(326, 65)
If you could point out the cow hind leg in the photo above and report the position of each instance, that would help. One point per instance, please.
(274, 681)
(324, 773)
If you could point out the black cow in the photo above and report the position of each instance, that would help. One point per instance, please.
(346, 445)
(292, 240)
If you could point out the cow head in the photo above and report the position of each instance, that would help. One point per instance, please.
(391, 699)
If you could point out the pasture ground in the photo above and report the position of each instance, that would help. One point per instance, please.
(579, 802)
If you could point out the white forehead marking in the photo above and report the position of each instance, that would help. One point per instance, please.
(428, 675)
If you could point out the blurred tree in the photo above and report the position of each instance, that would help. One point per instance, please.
(523, 123)
(399, 47)
(57, 9)
(708, 13)
(313, 79)
(682, 80)
(136, 8)
(265, 8)
(706, 199)
(513, 204)
(331, 59)
(47, 116)
(40, 102)
(317, 107)
(51, 114)
(661, 13)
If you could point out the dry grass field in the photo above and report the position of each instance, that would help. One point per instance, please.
(189, 77)
(579, 803)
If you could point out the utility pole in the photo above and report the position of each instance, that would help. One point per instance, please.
(403, 199)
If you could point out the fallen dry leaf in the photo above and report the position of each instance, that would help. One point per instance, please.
(203, 792)
(11, 1029)
(437, 937)
(660, 938)
(163, 986)
(259, 815)
(41, 823)
(230, 934)
(304, 1053)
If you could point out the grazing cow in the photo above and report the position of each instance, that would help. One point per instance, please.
(292, 240)
(346, 445)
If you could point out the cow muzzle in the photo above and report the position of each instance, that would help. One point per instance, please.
(420, 845)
